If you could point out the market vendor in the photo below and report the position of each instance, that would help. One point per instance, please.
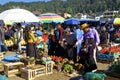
(69, 42)
(90, 33)
(19, 36)
(30, 40)
(3, 47)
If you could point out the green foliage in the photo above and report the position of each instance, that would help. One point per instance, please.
(70, 6)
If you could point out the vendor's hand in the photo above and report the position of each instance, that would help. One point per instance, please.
(78, 57)
(60, 42)
(65, 43)
(96, 46)
(75, 46)
(11, 37)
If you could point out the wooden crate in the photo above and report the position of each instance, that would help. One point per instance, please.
(49, 67)
(11, 69)
(1, 56)
(1, 65)
(40, 70)
(28, 74)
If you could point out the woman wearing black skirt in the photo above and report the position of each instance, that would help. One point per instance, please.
(30, 39)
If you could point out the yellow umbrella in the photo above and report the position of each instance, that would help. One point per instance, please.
(115, 21)
(8, 23)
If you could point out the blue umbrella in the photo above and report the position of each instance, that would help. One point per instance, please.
(115, 21)
(72, 21)
(1, 22)
(102, 22)
(89, 20)
(111, 21)
(84, 20)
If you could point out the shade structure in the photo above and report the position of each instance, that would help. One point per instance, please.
(1, 22)
(18, 15)
(50, 17)
(89, 20)
(72, 21)
(115, 21)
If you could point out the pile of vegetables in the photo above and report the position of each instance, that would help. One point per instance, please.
(58, 62)
(56, 58)
(65, 65)
(68, 68)
(9, 42)
(110, 49)
(104, 50)
(45, 59)
(114, 49)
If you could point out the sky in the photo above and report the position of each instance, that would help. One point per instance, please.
(6, 1)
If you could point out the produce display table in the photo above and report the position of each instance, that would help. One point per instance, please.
(11, 69)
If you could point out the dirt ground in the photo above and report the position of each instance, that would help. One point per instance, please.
(61, 76)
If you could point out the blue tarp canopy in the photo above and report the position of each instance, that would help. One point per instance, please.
(72, 21)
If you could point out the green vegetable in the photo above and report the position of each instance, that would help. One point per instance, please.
(67, 68)
(32, 59)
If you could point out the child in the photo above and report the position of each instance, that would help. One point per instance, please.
(86, 57)
(91, 46)
(83, 53)
(91, 60)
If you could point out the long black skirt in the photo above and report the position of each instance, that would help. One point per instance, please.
(31, 50)
(88, 62)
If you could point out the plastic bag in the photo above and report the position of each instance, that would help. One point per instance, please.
(94, 76)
